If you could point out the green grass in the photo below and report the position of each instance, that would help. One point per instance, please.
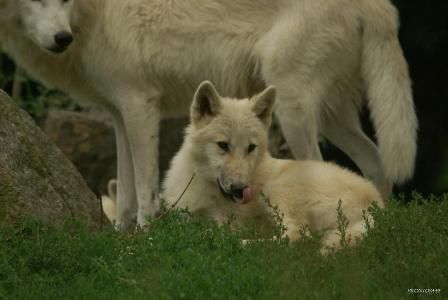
(193, 258)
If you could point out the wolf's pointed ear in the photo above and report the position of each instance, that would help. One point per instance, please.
(206, 104)
(263, 105)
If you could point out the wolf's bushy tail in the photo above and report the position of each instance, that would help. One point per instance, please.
(388, 86)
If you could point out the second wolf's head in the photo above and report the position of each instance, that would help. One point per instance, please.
(228, 137)
(45, 22)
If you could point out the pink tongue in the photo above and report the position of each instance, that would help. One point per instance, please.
(247, 195)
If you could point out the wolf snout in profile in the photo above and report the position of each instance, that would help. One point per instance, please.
(142, 60)
(44, 22)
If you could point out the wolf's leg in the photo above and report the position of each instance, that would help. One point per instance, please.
(297, 110)
(302, 80)
(126, 200)
(301, 135)
(141, 118)
(343, 129)
(304, 62)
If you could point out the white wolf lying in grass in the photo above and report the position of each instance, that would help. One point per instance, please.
(225, 147)
(143, 59)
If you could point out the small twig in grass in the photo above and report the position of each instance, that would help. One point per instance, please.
(98, 196)
(177, 201)
(101, 214)
(276, 215)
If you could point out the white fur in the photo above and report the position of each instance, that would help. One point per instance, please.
(109, 202)
(306, 192)
(39, 21)
(142, 60)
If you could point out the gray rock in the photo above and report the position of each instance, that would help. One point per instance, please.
(36, 179)
(88, 141)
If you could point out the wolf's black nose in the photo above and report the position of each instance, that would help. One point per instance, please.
(63, 39)
(237, 190)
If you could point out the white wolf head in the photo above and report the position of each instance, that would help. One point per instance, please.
(45, 22)
(229, 137)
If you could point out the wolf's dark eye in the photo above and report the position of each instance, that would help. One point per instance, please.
(251, 148)
(224, 146)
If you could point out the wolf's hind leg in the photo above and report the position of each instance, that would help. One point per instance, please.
(343, 129)
(297, 112)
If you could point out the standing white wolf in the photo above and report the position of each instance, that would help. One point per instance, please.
(225, 147)
(142, 59)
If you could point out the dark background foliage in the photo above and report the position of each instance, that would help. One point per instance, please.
(424, 38)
